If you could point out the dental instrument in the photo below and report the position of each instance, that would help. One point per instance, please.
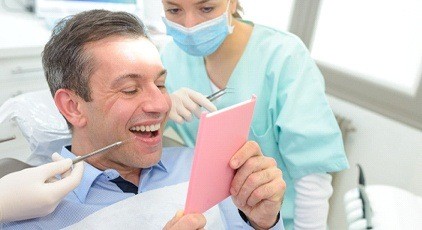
(81, 158)
(217, 94)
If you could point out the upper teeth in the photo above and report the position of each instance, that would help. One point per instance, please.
(148, 128)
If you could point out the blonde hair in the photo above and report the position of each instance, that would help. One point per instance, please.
(239, 11)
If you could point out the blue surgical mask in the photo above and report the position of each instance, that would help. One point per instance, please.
(202, 39)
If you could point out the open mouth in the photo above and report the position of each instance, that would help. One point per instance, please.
(146, 131)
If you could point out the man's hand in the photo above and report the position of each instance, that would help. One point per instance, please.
(258, 187)
(189, 221)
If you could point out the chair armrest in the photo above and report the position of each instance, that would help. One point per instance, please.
(9, 165)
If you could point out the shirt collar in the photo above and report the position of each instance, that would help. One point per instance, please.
(91, 173)
(165, 161)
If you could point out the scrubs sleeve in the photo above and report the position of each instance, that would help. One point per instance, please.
(308, 135)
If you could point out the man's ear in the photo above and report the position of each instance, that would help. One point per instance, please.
(70, 106)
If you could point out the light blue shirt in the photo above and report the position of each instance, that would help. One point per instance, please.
(96, 191)
(293, 122)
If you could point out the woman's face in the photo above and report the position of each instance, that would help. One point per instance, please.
(189, 13)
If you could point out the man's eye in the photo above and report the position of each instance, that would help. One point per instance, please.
(161, 87)
(130, 91)
(207, 9)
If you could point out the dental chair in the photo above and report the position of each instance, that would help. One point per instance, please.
(382, 207)
(9, 165)
(43, 127)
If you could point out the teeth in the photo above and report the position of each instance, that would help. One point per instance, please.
(148, 128)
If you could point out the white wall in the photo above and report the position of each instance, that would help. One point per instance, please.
(389, 152)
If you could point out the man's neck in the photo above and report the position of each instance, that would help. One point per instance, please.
(130, 174)
(80, 146)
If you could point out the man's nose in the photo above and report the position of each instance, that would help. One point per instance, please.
(155, 101)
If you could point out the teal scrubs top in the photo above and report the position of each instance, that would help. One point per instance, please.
(292, 121)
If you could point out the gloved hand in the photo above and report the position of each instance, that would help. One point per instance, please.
(33, 192)
(185, 102)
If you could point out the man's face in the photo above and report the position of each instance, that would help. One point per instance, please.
(129, 100)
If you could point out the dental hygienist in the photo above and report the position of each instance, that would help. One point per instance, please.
(214, 48)
(35, 192)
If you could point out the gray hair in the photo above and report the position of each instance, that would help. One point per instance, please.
(66, 65)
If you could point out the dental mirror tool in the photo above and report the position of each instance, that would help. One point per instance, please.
(102, 150)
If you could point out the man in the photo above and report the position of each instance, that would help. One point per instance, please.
(108, 82)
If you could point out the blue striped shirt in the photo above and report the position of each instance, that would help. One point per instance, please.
(96, 191)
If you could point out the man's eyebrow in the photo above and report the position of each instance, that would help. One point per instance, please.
(116, 81)
(122, 78)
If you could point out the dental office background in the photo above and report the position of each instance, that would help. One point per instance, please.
(369, 51)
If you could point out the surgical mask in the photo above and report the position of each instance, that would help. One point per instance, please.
(202, 39)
